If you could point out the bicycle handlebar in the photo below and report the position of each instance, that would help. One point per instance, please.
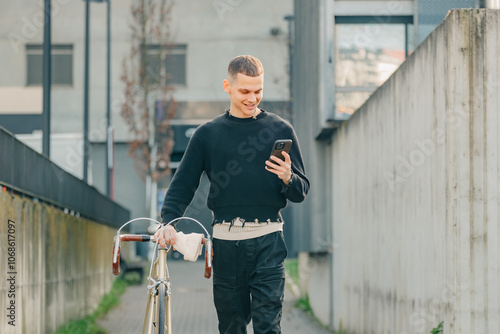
(150, 238)
(146, 238)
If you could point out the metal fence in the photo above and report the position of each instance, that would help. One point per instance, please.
(28, 172)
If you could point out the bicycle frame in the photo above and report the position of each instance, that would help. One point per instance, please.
(153, 303)
(158, 318)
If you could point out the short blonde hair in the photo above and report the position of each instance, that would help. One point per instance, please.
(245, 64)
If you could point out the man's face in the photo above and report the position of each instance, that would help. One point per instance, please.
(245, 93)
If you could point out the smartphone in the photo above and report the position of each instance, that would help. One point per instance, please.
(281, 145)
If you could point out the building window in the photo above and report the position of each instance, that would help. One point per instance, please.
(175, 64)
(61, 69)
(366, 54)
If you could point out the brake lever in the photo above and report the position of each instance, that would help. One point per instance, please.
(116, 248)
(116, 256)
(208, 247)
(208, 258)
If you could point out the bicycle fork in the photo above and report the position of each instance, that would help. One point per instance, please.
(160, 278)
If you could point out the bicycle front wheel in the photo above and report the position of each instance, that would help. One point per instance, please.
(161, 309)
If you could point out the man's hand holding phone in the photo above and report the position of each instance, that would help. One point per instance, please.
(282, 167)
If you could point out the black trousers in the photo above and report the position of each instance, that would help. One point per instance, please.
(249, 283)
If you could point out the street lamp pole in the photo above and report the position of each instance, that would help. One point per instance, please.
(86, 146)
(47, 79)
(109, 133)
(291, 36)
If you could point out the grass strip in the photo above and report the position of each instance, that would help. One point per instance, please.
(292, 269)
(88, 325)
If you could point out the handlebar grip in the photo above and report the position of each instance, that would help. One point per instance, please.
(116, 265)
(135, 237)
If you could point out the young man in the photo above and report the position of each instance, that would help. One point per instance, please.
(246, 195)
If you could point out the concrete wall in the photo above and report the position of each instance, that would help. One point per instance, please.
(61, 265)
(416, 184)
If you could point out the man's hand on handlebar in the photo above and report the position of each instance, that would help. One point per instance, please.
(166, 235)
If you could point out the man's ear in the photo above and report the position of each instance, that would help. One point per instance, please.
(227, 86)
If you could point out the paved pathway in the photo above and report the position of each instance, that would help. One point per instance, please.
(192, 306)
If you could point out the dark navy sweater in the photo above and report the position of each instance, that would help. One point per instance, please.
(232, 152)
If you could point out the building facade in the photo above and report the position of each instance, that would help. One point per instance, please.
(204, 36)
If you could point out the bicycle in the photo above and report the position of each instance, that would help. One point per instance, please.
(158, 317)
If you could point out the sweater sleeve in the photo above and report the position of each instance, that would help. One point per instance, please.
(185, 181)
(298, 187)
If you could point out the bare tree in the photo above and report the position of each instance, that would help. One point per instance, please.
(149, 105)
